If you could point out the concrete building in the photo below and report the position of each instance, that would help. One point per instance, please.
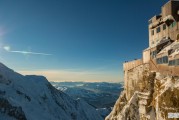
(163, 51)
(165, 25)
(164, 40)
(162, 55)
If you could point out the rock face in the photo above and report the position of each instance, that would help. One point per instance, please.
(134, 78)
(148, 96)
(34, 98)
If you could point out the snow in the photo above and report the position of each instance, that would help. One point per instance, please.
(143, 102)
(169, 47)
(166, 84)
(39, 100)
(174, 46)
(147, 100)
(133, 99)
(103, 111)
(157, 106)
(142, 109)
(62, 88)
(144, 93)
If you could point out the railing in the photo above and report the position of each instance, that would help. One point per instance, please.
(132, 64)
(154, 64)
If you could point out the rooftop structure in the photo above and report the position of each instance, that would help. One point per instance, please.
(165, 25)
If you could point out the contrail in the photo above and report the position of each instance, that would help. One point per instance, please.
(8, 49)
(26, 52)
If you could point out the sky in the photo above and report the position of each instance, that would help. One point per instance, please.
(74, 40)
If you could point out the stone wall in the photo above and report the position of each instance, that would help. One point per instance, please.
(132, 78)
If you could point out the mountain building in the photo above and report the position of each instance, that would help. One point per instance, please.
(162, 55)
(151, 83)
(163, 51)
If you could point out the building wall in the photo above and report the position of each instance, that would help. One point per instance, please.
(156, 37)
(132, 78)
(127, 67)
(167, 9)
(164, 68)
(132, 64)
(171, 9)
(146, 56)
(176, 56)
(170, 32)
(175, 6)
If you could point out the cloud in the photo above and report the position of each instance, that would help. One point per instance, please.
(32, 53)
(8, 49)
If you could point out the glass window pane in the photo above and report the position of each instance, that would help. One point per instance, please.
(174, 23)
(158, 29)
(177, 62)
(164, 26)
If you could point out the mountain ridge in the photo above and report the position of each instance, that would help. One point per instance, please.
(34, 98)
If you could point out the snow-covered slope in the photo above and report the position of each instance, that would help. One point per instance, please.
(34, 98)
(101, 95)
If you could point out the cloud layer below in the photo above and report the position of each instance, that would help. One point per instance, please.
(68, 75)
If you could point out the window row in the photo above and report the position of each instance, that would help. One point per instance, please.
(159, 29)
(174, 62)
(162, 60)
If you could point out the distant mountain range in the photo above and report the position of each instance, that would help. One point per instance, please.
(34, 98)
(101, 95)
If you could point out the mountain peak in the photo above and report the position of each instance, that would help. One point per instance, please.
(32, 97)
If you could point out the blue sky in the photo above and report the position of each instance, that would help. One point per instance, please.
(74, 40)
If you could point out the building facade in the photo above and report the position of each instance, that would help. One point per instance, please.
(163, 51)
(162, 55)
(165, 25)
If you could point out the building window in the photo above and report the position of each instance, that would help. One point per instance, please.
(162, 60)
(177, 62)
(153, 54)
(173, 24)
(172, 63)
(159, 61)
(158, 29)
(164, 26)
(152, 32)
(165, 59)
(153, 42)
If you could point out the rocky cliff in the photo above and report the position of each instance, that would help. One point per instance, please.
(147, 96)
